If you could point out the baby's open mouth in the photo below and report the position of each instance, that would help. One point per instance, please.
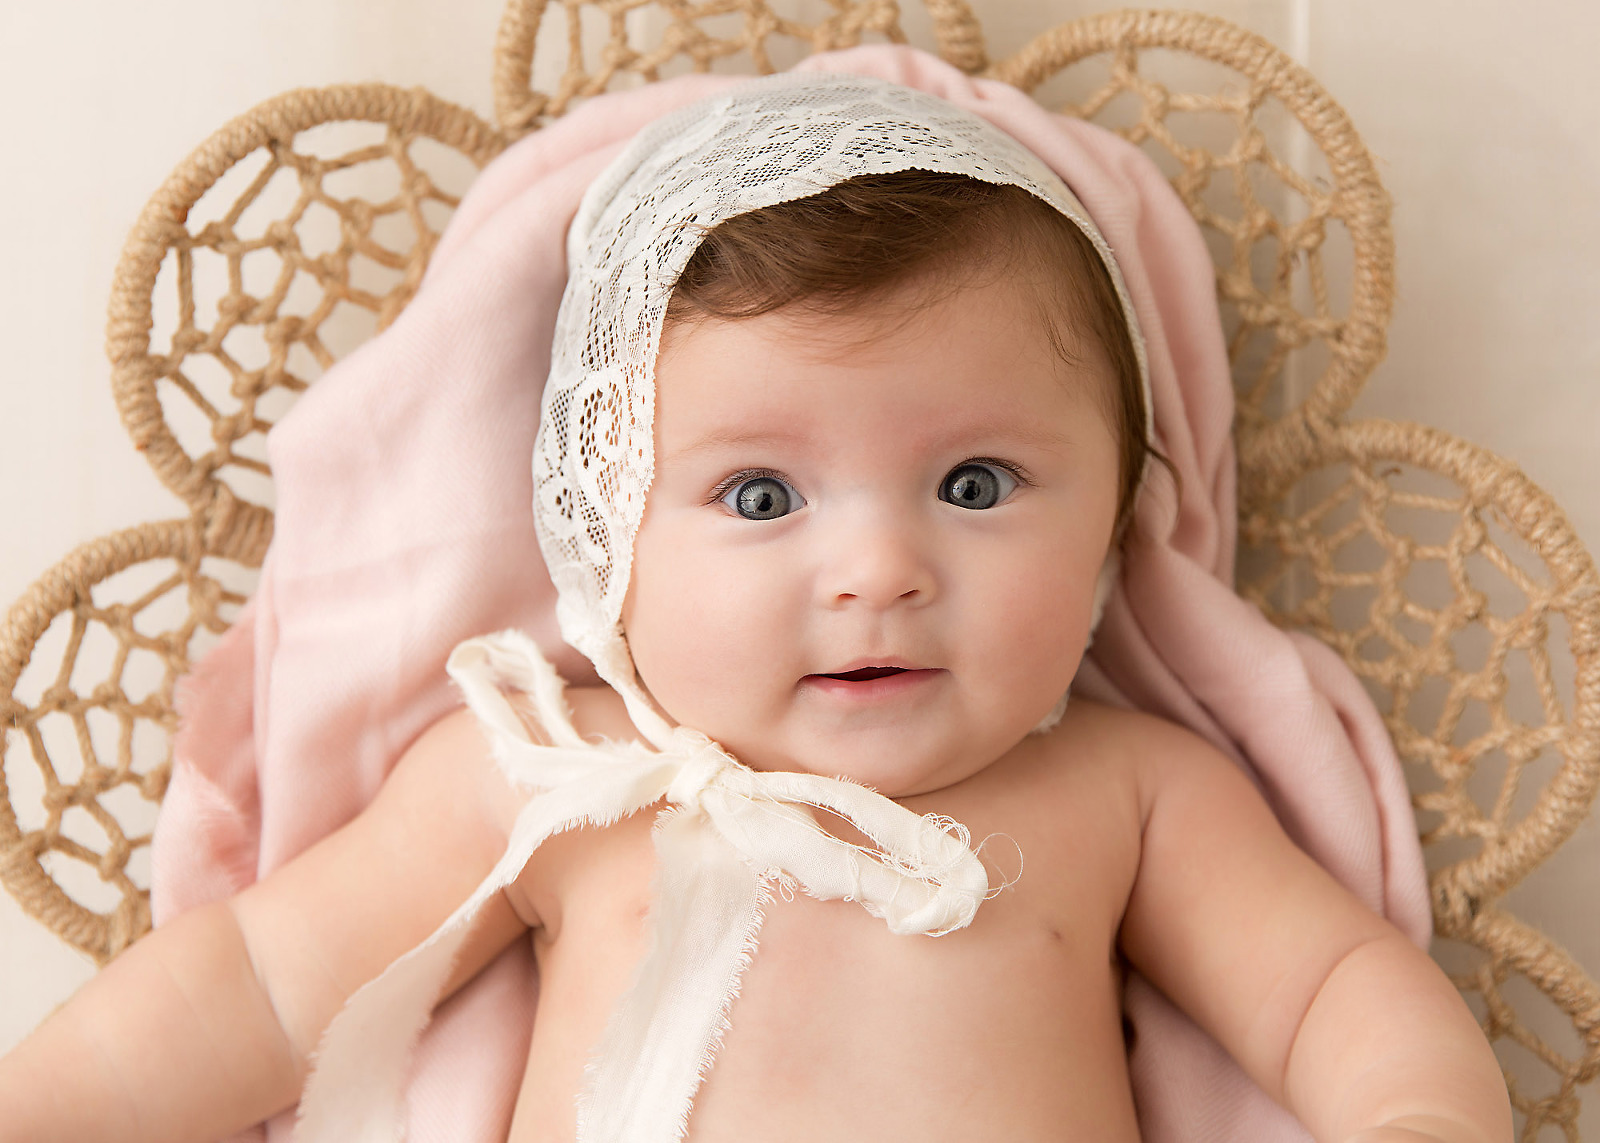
(877, 682)
(862, 674)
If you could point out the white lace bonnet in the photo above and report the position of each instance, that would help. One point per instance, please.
(776, 139)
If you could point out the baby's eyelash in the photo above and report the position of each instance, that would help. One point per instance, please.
(1015, 469)
(728, 483)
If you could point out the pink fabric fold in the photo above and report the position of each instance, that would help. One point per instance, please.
(404, 526)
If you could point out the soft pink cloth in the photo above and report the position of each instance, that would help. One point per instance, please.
(403, 526)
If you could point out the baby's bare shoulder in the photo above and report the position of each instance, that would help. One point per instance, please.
(1095, 754)
(1143, 755)
(1068, 801)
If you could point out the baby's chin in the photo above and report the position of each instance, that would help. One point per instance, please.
(894, 774)
(898, 758)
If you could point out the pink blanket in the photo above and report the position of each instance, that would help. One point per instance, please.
(403, 526)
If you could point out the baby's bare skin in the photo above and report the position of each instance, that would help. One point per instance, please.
(1140, 841)
(1009, 1029)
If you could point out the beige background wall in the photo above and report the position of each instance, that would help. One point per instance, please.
(1485, 118)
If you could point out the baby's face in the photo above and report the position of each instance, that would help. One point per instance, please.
(871, 545)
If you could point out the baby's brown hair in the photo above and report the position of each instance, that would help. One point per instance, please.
(868, 235)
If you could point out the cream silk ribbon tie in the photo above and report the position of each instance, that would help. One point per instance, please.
(727, 834)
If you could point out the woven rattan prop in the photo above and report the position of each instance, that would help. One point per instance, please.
(1449, 582)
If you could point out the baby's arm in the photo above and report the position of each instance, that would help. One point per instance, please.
(206, 1025)
(1327, 1006)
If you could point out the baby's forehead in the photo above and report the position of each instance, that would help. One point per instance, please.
(968, 364)
(982, 323)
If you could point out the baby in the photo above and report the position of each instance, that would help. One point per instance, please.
(832, 488)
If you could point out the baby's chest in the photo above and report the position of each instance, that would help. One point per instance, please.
(1017, 1015)
(1060, 860)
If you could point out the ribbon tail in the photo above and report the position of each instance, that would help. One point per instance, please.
(479, 667)
(355, 1093)
(707, 910)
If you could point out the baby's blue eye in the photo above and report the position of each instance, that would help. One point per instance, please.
(763, 498)
(974, 485)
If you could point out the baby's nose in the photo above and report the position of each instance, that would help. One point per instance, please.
(877, 563)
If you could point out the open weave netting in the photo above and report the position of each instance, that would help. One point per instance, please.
(1452, 585)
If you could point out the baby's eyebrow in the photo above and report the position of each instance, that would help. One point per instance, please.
(1034, 434)
(735, 438)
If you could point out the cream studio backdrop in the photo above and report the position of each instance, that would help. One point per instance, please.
(1450, 582)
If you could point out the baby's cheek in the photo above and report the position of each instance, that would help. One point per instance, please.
(1044, 618)
(697, 628)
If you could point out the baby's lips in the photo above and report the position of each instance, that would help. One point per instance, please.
(883, 664)
(873, 678)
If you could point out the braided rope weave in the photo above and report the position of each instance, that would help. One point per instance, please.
(683, 35)
(1453, 586)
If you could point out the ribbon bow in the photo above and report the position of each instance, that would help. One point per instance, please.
(728, 833)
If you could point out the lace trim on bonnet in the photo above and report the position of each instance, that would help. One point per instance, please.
(730, 832)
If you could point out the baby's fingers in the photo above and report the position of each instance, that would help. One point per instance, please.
(1424, 1129)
